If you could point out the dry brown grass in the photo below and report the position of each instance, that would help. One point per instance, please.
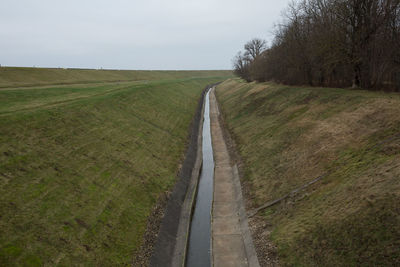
(288, 136)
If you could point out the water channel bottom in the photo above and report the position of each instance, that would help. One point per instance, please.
(199, 250)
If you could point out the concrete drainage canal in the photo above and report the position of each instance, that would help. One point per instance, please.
(199, 249)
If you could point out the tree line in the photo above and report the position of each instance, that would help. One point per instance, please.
(335, 43)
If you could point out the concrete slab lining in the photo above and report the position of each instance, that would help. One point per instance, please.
(232, 244)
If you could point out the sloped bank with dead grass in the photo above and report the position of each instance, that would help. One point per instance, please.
(288, 136)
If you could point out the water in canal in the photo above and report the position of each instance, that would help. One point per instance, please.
(200, 231)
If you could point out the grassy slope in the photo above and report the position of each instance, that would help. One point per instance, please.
(82, 167)
(13, 77)
(288, 136)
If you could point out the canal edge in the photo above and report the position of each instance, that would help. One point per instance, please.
(251, 254)
(172, 239)
(181, 247)
(212, 202)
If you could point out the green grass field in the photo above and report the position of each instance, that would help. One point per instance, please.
(27, 77)
(287, 136)
(82, 166)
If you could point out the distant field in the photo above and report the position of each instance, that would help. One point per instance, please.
(81, 166)
(14, 77)
(288, 136)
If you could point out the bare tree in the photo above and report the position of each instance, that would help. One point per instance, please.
(243, 60)
(331, 43)
(241, 66)
(254, 48)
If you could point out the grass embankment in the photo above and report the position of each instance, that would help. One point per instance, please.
(23, 77)
(83, 166)
(287, 136)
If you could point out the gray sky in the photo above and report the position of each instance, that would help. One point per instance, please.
(132, 34)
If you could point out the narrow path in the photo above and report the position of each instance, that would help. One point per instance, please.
(232, 244)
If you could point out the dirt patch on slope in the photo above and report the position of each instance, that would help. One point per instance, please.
(142, 256)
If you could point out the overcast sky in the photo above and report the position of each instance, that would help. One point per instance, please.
(132, 34)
